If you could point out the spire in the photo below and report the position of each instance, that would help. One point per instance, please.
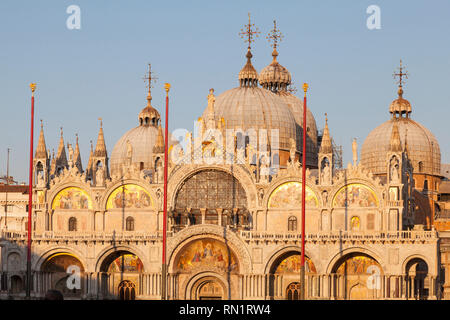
(53, 163)
(248, 77)
(395, 144)
(61, 158)
(90, 161)
(326, 146)
(100, 148)
(159, 145)
(41, 150)
(406, 141)
(400, 106)
(77, 155)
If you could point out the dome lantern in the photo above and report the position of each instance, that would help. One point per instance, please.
(149, 116)
(275, 77)
(400, 106)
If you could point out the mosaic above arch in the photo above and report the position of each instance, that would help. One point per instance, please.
(359, 264)
(355, 195)
(289, 195)
(130, 196)
(204, 253)
(60, 262)
(72, 198)
(292, 264)
(126, 263)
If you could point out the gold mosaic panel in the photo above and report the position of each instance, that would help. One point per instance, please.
(292, 264)
(355, 195)
(129, 196)
(289, 195)
(72, 198)
(207, 253)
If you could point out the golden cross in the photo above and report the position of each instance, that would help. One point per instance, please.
(247, 33)
(401, 74)
(274, 35)
(149, 77)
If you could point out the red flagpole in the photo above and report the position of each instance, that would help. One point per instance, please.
(30, 193)
(166, 145)
(302, 262)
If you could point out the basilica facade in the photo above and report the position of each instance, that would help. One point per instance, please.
(234, 207)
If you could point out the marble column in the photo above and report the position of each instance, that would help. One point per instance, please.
(203, 212)
(219, 216)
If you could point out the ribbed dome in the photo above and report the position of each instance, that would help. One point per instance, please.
(245, 108)
(296, 106)
(422, 146)
(275, 77)
(142, 140)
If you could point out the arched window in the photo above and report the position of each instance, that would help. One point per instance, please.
(420, 166)
(293, 291)
(72, 224)
(130, 224)
(292, 224)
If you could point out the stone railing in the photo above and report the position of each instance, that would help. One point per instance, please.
(418, 235)
(343, 235)
(80, 236)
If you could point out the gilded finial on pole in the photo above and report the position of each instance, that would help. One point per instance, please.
(33, 87)
(305, 87)
(167, 87)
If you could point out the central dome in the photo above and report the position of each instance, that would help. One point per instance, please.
(256, 108)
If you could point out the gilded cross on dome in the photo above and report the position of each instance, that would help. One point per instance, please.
(274, 35)
(149, 77)
(248, 32)
(401, 74)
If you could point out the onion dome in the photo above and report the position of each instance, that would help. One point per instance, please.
(249, 107)
(275, 77)
(248, 77)
(420, 144)
(400, 106)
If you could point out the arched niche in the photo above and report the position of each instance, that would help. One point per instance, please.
(355, 195)
(72, 198)
(361, 275)
(122, 262)
(66, 273)
(211, 189)
(289, 195)
(129, 196)
(59, 262)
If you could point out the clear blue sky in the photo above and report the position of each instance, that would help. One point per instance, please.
(97, 71)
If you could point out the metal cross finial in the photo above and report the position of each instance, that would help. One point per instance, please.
(149, 77)
(275, 35)
(248, 32)
(401, 74)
